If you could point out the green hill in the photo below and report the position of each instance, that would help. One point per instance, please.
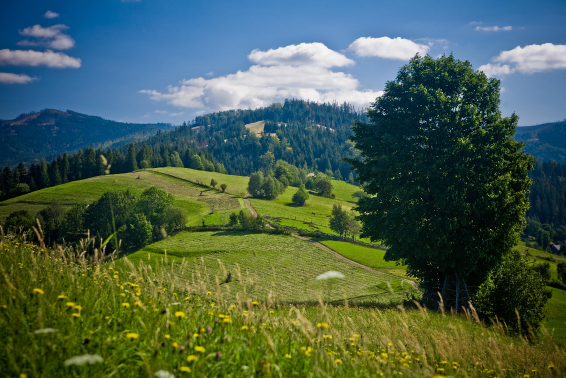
(48, 133)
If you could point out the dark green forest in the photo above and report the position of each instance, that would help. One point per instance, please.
(48, 133)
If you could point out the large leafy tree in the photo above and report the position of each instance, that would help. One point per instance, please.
(447, 181)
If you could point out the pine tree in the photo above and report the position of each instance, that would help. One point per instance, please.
(131, 163)
(44, 175)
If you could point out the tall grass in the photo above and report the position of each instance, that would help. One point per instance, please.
(65, 314)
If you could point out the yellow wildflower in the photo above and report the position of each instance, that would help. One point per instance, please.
(70, 304)
(77, 308)
(322, 325)
(208, 293)
(384, 355)
(327, 337)
(287, 355)
(75, 315)
(192, 358)
(179, 314)
(138, 304)
(271, 312)
(338, 361)
(255, 303)
(62, 297)
(244, 328)
(125, 305)
(212, 304)
(226, 320)
(200, 349)
(107, 317)
(185, 369)
(123, 294)
(132, 336)
(167, 336)
(38, 291)
(196, 335)
(175, 345)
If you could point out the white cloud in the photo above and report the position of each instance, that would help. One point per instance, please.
(492, 70)
(165, 112)
(161, 112)
(50, 14)
(177, 114)
(51, 37)
(493, 28)
(210, 73)
(535, 58)
(527, 60)
(389, 48)
(294, 71)
(311, 54)
(37, 58)
(11, 78)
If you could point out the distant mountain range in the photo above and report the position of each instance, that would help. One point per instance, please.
(546, 142)
(47, 133)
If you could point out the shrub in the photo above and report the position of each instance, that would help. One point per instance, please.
(561, 271)
(213, 183)
(138, 231)
(173, 218)
(300, 197)
(515, 293)
(223, 187)
(19, 219)
(544, 270)
(324, 186)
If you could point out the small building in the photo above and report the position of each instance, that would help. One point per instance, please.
(555, 248)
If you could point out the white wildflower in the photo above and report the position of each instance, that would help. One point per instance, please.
(85, 358)
(330, 274)
(45, 330)
(163, 374)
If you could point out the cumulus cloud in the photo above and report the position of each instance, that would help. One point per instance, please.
(311, 54)
(492, 70)
(165, 112)
(388, 48)
(50, 14)
(527, 60)
(493, 28)
(37, 58)
(11, 78)
(51, 37)
(296, 71)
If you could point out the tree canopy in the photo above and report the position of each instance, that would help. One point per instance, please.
(447, 182)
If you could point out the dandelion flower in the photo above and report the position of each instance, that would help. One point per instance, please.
(192, 358)
(338, 361)
(255, 303)
(138, 304)
(226, 320)
(196, 335)
(77, 308)
(327, 337)
(185, 369)
(322, 325)
(288, 356)
(208, 293)
(200, 349)
(179, 314)
(244, 328)
(132, 336)
(62, 297)
(84, 359)
(175, 345)
(167, 336)
(125, 305)
(271, 312)
(38, 291)
(76, 315)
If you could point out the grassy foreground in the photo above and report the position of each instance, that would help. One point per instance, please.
(64, 315)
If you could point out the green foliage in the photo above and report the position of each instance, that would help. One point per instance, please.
(254, 185)
(173, 218)
(72, 227)
(138, 232)
(234, 219)
(50, 219)
(152, 203)
(196, 163)
(223, 187)
(514, 287)
(300, 197)
(360, 194)
(265, 187)
(310, 184)
(17, 220)
(447, 181)
(339, 220)
(544, 270)
(561, 271)
(323, 185)
(213, 183)
(249, 222)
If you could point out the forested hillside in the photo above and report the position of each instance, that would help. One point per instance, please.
(48, 133)
(546, 142)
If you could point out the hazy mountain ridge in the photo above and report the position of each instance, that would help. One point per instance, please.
(546, 142)
(47, 133)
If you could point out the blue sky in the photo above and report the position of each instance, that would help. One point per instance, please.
(169, 60)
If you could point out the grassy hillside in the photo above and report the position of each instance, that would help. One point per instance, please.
(282, 267)
(61, 315)
(200, 203)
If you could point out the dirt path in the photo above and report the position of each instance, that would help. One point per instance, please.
(322, 246)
